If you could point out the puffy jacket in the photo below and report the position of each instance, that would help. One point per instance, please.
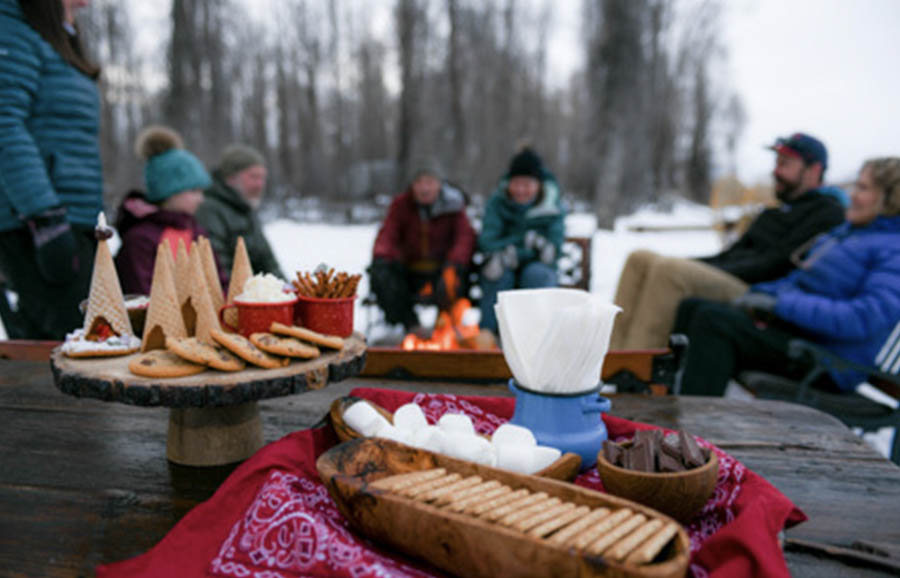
(143, 227)
(227, 216)
(764, 252)
(505, 222)
(49, 123)
(847, 295)
(424, 238)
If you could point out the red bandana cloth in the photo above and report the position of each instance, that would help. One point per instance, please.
(273, 518)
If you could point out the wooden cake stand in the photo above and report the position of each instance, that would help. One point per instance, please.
(214, 418)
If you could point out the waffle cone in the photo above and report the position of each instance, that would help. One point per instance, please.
(164, 317)
(205, 316)
(211, 272)
(182, 273)
(170, 256)
(105, 298)
(240, 272)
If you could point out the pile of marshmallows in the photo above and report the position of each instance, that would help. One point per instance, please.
(512, 447)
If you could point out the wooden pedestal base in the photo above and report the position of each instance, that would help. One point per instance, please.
(214, 436)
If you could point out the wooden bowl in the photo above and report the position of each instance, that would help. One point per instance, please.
(677, 494)
(473, 540)
(565, 468)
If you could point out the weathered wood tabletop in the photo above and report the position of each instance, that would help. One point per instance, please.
(84, 482)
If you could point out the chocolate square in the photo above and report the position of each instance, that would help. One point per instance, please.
(669, 464)
(613, 452)
(671, 446)
(642, 457)
(690, 451)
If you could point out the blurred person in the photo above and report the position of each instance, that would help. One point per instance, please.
(522, 232)
(425, 240)
(651, 285)
(230, 210)
(844, 295)
(51, 182)
(175, 180)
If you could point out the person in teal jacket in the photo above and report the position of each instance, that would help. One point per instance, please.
(51, 187)
(522, 232)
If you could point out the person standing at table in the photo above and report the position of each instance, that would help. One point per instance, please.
(522, 232)
(229, 210)
(844, 295)
(425, 239)
(51, 185)
(651, 285)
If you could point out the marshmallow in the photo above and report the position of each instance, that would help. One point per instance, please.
(410, 417)
(393, 433)
(543, 456)
(516, 458)
(362, 417)
(456, 423)
(513, 434)
(469, 447)
(430, 438)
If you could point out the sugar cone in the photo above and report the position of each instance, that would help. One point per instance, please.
(205, 316)
(211, 272)
(164, 313)
(170, 259)
(105, 298)
(240, 272)
(182, 273)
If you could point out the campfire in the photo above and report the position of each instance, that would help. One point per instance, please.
(450, 332)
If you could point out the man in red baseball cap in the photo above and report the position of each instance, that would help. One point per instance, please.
(651, 286)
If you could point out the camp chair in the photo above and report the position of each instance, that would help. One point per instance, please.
(854, 409)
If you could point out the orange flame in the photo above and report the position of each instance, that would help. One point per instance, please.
(449, 332)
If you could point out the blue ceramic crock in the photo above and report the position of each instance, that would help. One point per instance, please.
(571, 422)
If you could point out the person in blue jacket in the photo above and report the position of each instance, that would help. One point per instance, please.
(522, 232)
(844, 295)
(51, 188)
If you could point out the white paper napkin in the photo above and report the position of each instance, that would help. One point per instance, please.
(555, 340)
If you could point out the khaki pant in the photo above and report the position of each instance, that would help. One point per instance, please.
(650, 289)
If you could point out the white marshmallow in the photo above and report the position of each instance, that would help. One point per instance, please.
(410, 417)
(430, 438)
(469, 447)
(456, 423)
(513, 434)
(516, 458)
(362, 417)
(543, 456)
(393, 433)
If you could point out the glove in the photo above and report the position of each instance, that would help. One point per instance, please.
(493, 268)
(546, 251)
(55, 246)
(510, 257)
(756, 303)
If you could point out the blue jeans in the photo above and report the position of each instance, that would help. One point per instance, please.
(534, 275)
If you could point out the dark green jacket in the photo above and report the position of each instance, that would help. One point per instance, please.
(226, 216)
(505, 222)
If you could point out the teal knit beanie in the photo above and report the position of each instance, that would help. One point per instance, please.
(169, 168)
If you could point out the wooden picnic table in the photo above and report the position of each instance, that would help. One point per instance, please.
(83, 482)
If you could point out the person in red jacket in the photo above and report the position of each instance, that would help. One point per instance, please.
(426, 240)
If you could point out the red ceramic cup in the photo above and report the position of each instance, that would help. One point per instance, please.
(254, 317)
(328, 316)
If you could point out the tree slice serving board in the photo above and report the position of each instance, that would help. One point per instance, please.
(110, 380)
(214, 419)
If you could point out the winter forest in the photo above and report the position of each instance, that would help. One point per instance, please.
(343, 110)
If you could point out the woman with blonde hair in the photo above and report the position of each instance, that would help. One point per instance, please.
(844, 296)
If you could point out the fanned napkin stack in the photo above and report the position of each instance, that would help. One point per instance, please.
(555, 340)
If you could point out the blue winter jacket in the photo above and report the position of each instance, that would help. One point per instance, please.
(505, 222)
(847, 294)
(49, 123)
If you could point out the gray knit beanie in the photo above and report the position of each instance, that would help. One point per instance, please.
(236, 158)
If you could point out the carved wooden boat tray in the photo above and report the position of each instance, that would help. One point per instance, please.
(473, 520)
(565, 468)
